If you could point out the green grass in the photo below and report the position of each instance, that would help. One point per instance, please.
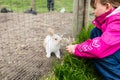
(73, 68)
(41, 5)
(84, 35)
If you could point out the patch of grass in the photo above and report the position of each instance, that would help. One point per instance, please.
(67, 4)
(73, 68)
(84, 35)
(41, 5)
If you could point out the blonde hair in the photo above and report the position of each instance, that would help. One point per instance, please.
(114, 3)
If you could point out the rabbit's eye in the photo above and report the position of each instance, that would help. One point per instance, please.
(55, 38)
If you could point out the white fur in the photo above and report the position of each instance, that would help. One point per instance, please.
(52, 44)
(62, 10)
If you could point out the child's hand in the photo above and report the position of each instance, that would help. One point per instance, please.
(71, 48)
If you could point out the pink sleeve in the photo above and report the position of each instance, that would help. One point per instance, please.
(95, 48)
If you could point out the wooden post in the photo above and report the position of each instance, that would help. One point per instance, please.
(33, 4)
(78, 14)
(86, 14)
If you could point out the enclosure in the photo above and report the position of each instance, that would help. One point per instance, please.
(23, 27)
(22, 56)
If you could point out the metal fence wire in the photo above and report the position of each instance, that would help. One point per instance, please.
(22, 56)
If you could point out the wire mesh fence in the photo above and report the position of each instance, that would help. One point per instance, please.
(22, 56)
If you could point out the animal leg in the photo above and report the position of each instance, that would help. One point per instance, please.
(57, 54)
(48, 54)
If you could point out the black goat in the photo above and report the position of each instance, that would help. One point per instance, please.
(50, 5)
(31, 11)
(5, 10)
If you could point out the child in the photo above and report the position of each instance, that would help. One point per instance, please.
(104, 45)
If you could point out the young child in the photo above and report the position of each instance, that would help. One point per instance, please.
(104, 45)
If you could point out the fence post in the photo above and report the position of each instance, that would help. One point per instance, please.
(78, 14)
(86, 14)
(33, 4)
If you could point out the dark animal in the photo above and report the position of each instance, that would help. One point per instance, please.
(50, 5)
(5, 10)
(31, 11)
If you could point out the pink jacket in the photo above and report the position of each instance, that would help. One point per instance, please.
(108, 43)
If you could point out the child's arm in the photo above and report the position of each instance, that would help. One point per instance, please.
(95, 48)
(77, 50)
(72, 49)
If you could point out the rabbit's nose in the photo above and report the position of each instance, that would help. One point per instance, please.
(56, 39)
(60, 41)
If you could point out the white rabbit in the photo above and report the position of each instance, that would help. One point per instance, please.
(52, 43)
(62, 10)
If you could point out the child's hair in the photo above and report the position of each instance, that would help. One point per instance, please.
(114, 3)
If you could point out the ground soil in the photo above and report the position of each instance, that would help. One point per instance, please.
(22, 56)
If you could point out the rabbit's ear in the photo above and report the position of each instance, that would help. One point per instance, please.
(50, 31)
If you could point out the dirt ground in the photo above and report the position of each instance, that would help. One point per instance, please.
(22, 56)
